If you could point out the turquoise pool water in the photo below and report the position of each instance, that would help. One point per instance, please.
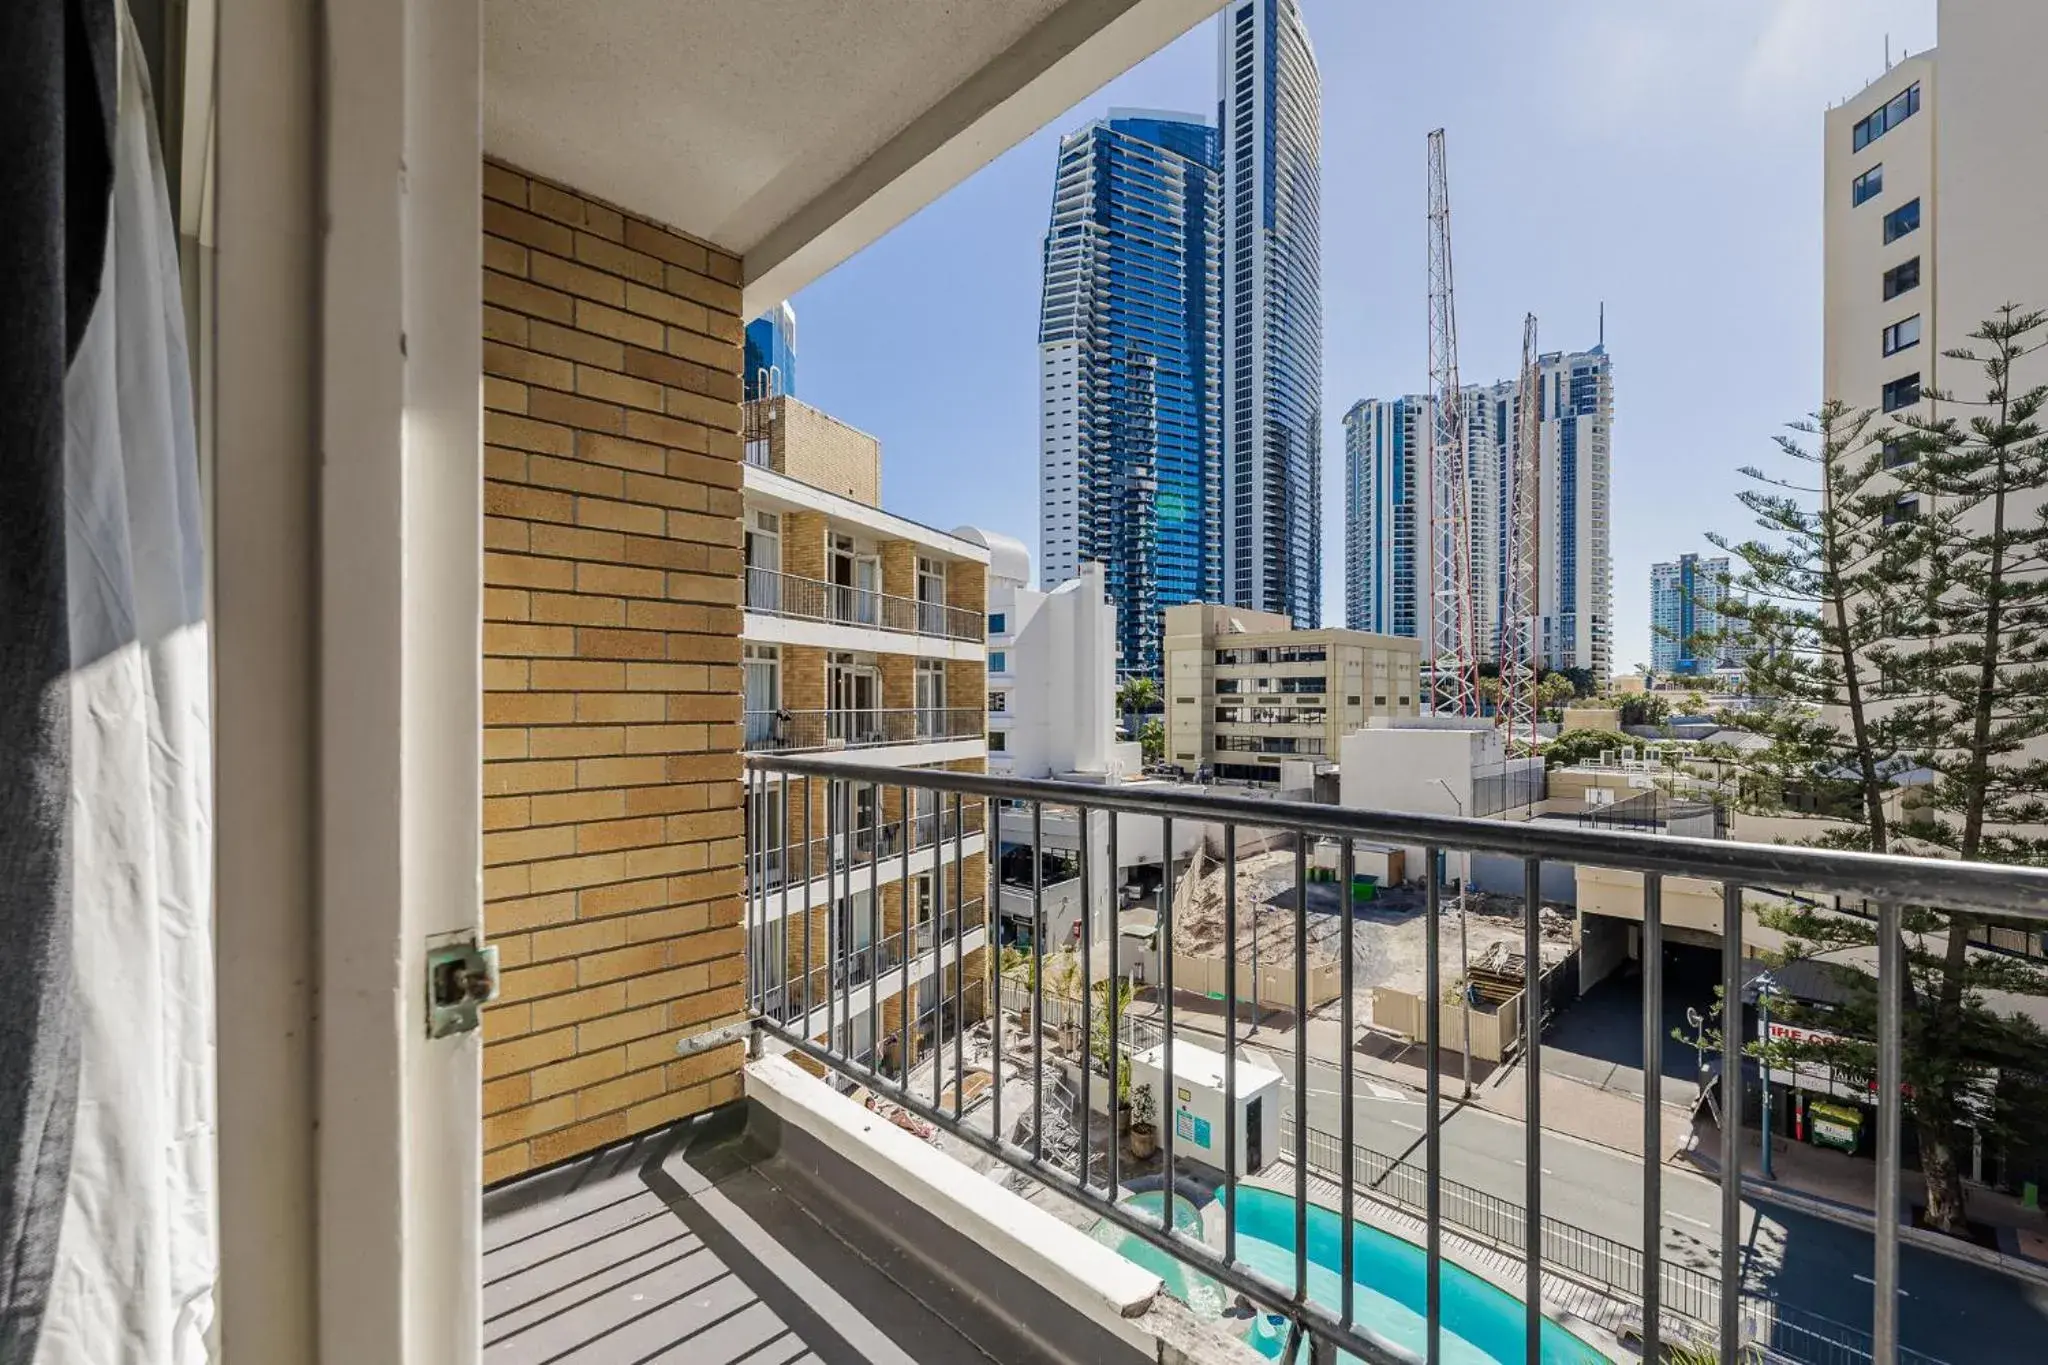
(1482, 1325)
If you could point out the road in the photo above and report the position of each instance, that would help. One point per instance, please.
(1949, 1309)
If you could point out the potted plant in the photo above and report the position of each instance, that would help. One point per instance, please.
(1144, 1129)
(1063, 982)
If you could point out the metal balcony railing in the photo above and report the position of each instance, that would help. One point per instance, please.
(774, 593)
(796, 731)
(808, 857)
(867, 959)
(1668, 1299)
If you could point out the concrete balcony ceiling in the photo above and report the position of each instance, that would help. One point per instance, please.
(794, 132)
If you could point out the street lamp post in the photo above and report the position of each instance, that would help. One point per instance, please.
(1765, 989)
(1464, 956)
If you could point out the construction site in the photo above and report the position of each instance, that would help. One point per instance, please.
(1480, 938)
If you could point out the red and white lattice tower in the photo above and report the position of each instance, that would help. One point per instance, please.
(1449, 656)
(1518, 608)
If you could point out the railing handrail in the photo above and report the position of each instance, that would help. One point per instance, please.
(1996, 889)
(959, 623)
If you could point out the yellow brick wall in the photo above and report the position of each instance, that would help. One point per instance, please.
(613, 826)
(803, 544)
(824, 452)
(899, 568)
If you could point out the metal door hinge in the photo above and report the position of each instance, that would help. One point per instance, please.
(462, 977)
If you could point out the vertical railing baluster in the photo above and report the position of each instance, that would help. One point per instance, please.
(1169, 1080)
(1653, 1109)
(782, 922)
(875, 931)
(1087, 993)
(1891, 984)
(1432, 1106)
(1230, 1043)
(751, 782)
(938, 943)
(959, 959)
(810, 800)
(1037, 980)
(1532, 1080)
(1347, 1119)
(1116, 1026)
(838, 825)
(906, 1001)
(1301, 1068)
(1731, 1122)
(991, 844)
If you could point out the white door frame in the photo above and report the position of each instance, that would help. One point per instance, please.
(344, 363)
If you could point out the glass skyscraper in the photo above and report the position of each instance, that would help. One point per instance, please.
(1685, 618)
(1386, 450)
(1129, 331)
(771, 353)
(1387, 482)
(1269, 115)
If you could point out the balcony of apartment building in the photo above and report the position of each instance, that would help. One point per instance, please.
(489, 863)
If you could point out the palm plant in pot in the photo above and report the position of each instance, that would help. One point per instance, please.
(1144, 1122)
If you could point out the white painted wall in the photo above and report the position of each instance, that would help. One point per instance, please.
(1195, 1102)
(1059, 686)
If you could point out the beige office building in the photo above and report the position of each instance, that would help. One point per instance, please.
(1245, 692)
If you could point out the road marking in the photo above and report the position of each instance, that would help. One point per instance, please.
(1873, 1284)
(1545, 1169)
(1403, 1123)
(1687, 1218)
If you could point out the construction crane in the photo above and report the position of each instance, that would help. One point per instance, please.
(1518, 609)
(1451, 661)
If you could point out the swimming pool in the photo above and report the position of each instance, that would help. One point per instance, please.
(1482, 1324)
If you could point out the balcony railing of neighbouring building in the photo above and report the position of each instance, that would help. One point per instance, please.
(858, 961)
(1063, 1141)
(794, 731)
(807, 854)
(773, 593)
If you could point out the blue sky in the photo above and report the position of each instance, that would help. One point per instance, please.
(1662, 156)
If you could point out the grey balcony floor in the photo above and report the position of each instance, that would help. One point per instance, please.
(701, 1245)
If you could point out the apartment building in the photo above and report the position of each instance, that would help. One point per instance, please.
(1129, 382)
(1685, 618)
(1928, 229)
(1387, 475)
(1245, 691)
(863, 637)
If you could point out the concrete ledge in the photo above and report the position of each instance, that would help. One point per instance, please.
(1067, 1262)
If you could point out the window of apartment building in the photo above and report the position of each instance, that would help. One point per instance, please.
(998, 702)
(998, 661)
(1902, 277)
(998, 622)
(1904, 510)
(1902, 393)
(930, 698)
(998, 742)
(764, 562)
(1902, 220)
(1867, 186)
(761, 679)
(1897, 452)
(1901, 335)
(1379, 701)
(1897, 110)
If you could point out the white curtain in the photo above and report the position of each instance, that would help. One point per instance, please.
(137, 1256)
